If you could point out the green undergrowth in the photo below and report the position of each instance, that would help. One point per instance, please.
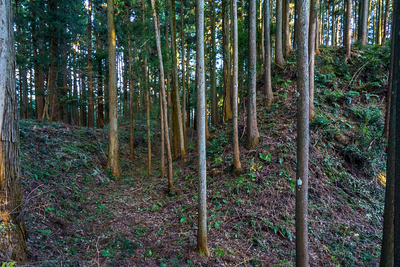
(78, 214)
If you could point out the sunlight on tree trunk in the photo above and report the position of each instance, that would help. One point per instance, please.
(311, 53)
(113, 151)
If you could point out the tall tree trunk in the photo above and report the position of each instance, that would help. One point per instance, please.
(379, 22)
(183, 77)
(147, 88)
(12, 233)
(113, 152)
(24, 93)
(53, 105)
(268, 94)
(167, 72)
(278, 43)
(90, 72)
(302, 255)
(37, 45)
(286, 28)
(236, 159)
(188, 86)
(227, 114)
(131, 133)
(327, 26)
(100, 109)
(396, 89)
(334, 24)
(311, 53)
(347, 33)
(75, 114)
(387, 251)
(179, 143)
(214, 101)
(252, 137)
(202, 247)
(385, 23)
(162, 96)
(364, 22)
(125, 84)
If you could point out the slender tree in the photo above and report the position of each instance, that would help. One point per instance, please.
(311, 53)
(252, 137)
(12, 231)
(396, 89)
(385, 23)
(148, 118)
(302, 257)
(347, 33)
(236, 160)
(363, 32)
(202, 247)
(183, 76)
(162, 96)
(179, 143)
(278, 43)
(214, 103)
(90, 73)
(268, 95)
(226, 52)
(113, 152)
(286, 27)
(131, 86)
(387, 251)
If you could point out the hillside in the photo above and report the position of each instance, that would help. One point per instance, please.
(76, 214)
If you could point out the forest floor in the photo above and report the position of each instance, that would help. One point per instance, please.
(77, 214)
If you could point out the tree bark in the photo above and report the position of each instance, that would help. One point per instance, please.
(236, 159)
(214, 101)
(162, 96)
(396, 89)
(179, 144)
(278, 43)
(113, 151)
(188, 87)
(347, 33)
(311, 53)
(202, 247)
(385, 23)
(148, 118)
(334, 24)
(227, 114)
(183, 77)
(364, 22)
(268, 94)
(286, 28)
(302, 255)
(387, 251)
(131, 132)
(252, 137)
(90, 72)
(12, 231)
(125, 83)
